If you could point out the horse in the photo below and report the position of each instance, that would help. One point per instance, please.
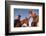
(19, 23)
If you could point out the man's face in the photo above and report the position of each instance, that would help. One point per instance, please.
(34, 14)
(16, 17)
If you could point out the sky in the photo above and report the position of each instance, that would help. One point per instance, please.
(24, 12)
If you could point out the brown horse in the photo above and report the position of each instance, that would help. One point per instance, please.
(20, 23)
(25, 21)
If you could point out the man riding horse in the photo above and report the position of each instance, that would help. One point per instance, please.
(31, 21)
